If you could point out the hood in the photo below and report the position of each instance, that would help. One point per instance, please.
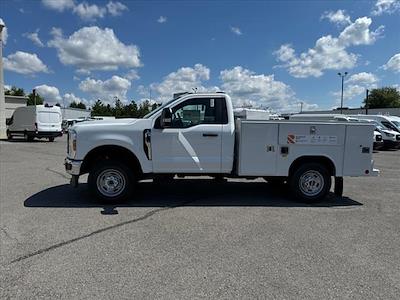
(111, 125)
(111, 122)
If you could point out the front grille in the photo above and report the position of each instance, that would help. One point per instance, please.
(398, 137)
(378, 138)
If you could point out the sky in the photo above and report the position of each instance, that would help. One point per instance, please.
(267, 54)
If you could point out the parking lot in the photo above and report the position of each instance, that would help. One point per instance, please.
(195, 238)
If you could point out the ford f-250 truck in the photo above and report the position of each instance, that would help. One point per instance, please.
(197, 134)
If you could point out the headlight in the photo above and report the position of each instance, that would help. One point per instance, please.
(389, 134)
(72, 143)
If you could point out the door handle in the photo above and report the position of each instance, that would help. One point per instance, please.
(210, 134)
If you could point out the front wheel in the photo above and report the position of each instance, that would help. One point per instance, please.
(111, 181)
(311, 182)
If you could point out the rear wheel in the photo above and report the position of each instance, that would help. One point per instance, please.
(311, 182)
(111, 181)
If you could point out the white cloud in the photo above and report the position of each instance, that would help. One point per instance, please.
(106, 90)
(358, 33)
(259, 90)
(162, 19)
(7, 87)
(50, 94)
(393, 63)
(339, 17)
(236, 30)
(4, 33)
(58, 5)
(24, 63)
(34, 37)
(183, 80)
(89, 12)
(356, 86)
(70, 97)
(86, 11)
(93, 48)
(116, 8)
(132, 75)
(329, 53)
(362, 78)
(386, 6)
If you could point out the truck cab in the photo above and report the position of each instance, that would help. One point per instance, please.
(197, 134)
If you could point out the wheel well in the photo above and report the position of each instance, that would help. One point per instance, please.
(323, 160)
(109, 152)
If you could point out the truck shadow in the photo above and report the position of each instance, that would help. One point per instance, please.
(186, 192)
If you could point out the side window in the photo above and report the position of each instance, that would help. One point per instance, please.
(194, 112)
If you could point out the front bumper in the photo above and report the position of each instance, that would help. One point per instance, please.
(73, 167)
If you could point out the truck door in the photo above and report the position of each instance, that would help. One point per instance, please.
(193, 143)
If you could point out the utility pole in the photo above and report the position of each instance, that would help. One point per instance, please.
(34, 96)
(366, 102)
(341, 98)
(3, 129)
(301, 107)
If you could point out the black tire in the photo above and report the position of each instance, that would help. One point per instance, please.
(28, 137)
(311, 182)
(118, 174)
(51, 139)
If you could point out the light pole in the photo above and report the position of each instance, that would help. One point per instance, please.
(341, 98)
(3, 130)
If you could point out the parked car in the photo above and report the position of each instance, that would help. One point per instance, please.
(40, 121)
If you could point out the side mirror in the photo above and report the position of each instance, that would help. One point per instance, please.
(166, 118)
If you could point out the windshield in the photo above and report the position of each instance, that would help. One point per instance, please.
(397, 123)
(158, 109)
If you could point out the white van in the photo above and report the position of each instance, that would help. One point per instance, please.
(40, 121)
(391, 138)
(390, 122)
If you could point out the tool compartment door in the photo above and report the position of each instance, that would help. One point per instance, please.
(358, 150)
(258, 149)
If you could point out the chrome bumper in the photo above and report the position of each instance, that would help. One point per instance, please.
(73, 167)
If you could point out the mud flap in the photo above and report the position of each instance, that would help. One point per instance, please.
(338, 186)
(74, 181)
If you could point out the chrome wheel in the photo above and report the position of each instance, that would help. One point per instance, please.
(111, 183)
(311, 183)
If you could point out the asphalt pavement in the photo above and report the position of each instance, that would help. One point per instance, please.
(193, 238)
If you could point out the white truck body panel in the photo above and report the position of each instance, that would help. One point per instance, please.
(260, 144)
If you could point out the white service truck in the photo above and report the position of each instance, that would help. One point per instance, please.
(197, 134)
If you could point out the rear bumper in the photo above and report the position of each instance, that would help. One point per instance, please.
(391, 144)
(375, 172)
(47, 134)
(378, 144)
(73, 167)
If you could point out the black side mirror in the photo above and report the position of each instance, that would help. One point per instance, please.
(166, 118)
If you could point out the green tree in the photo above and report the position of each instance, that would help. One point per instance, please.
(80, 105)
(119, 108)
(383, 98)
(15, 91)
(31, 99)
